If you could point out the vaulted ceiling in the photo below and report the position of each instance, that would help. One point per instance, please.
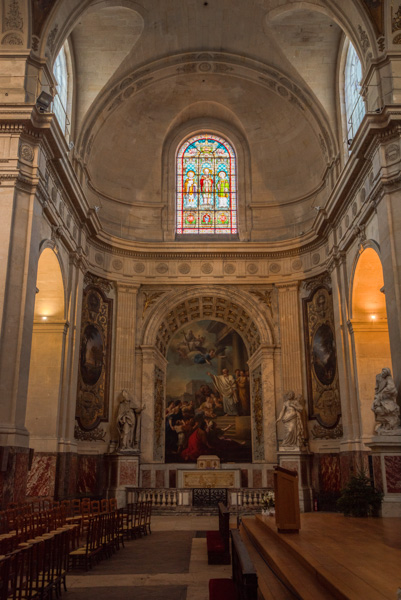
(265, 73)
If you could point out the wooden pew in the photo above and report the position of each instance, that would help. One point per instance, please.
(218, 542)
(244, 582)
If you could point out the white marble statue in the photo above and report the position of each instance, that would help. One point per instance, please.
(128, 423)
(293, 417)
(385, 407)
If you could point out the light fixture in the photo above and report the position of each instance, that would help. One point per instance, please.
(373, 317)
(44, 318)
(43, 101)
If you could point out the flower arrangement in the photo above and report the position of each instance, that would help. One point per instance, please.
(268, 500)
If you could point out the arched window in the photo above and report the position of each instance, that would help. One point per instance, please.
(354, 105)
(60, 100)
(206, 186)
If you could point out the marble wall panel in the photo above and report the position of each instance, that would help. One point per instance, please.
(291, 465)
(269, 478)
(393, 474)
(87, 475)
(377, 473)
(73, 475)
(42, 476)
(330, 473)
(128, 473)
(146, 478)
(257, 478)
(172, 478)
(21, 475)
(160, 479)
(244, 478)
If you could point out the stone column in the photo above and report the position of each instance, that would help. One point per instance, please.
(389, 224)
(125, 336)
(345, 365)
(263, 409)
(290, 338)
(151, 419)
(19, 253)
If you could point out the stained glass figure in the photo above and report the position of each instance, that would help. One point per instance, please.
(206, 186)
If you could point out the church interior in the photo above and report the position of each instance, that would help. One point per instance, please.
(200, 235)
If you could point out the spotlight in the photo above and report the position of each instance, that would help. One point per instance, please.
(317, 208)
(373, 317)
(44, 318)
(43, 101)
(349, 142)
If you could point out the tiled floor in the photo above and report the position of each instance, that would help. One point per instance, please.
(169, 564)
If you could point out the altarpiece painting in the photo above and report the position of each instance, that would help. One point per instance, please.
(208, 395)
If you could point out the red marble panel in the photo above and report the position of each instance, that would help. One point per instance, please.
(330, 474)
(42, 476)
(128, 473)
(244, 478)
(172, 478)
(21, 475)
(393, 474)
(377, 473)
(257, 478)
(87, 475)
(160, 479)
(146, 481)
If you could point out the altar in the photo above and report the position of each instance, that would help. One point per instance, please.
(205, 478)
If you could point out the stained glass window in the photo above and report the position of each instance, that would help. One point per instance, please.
(206, 186)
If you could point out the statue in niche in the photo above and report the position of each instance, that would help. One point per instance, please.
(385, 407)
(293, 417)
(128, 423)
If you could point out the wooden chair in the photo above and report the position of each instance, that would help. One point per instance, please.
(85, 555)
(104, 505)
(113, 504)
(95, 507)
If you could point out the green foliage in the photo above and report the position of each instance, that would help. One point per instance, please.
(359, 498)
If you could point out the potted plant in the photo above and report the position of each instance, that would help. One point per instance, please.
(359, 497)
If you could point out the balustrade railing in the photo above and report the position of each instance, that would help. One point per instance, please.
(168, 498)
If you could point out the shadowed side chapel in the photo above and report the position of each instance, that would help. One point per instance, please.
(200, 276)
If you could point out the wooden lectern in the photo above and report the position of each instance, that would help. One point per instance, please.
(286, 500)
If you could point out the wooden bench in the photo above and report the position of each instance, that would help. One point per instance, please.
(244, 582)
(218, 542)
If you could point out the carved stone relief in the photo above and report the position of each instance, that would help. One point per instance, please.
(257, 407)
(13, 19)
(158, 442)
(321, 357)
(208, 307)
(94, 360)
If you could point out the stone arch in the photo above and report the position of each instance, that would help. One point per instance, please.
(369, 329)
(47, 358)
(241, 311)
(51, 245)
(236, 307)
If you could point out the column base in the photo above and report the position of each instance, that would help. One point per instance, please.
(123, 471)
(386, 457)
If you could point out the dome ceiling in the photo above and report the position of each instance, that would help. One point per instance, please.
(285, 113)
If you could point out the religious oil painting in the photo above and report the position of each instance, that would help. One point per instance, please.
(91, 355)
(208, 395)
(324, 354)
(206, 186)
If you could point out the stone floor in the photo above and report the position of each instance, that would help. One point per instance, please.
(169, 564)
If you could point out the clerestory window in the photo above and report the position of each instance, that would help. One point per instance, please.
(354, 104)
(206, 186)
(61, 98)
